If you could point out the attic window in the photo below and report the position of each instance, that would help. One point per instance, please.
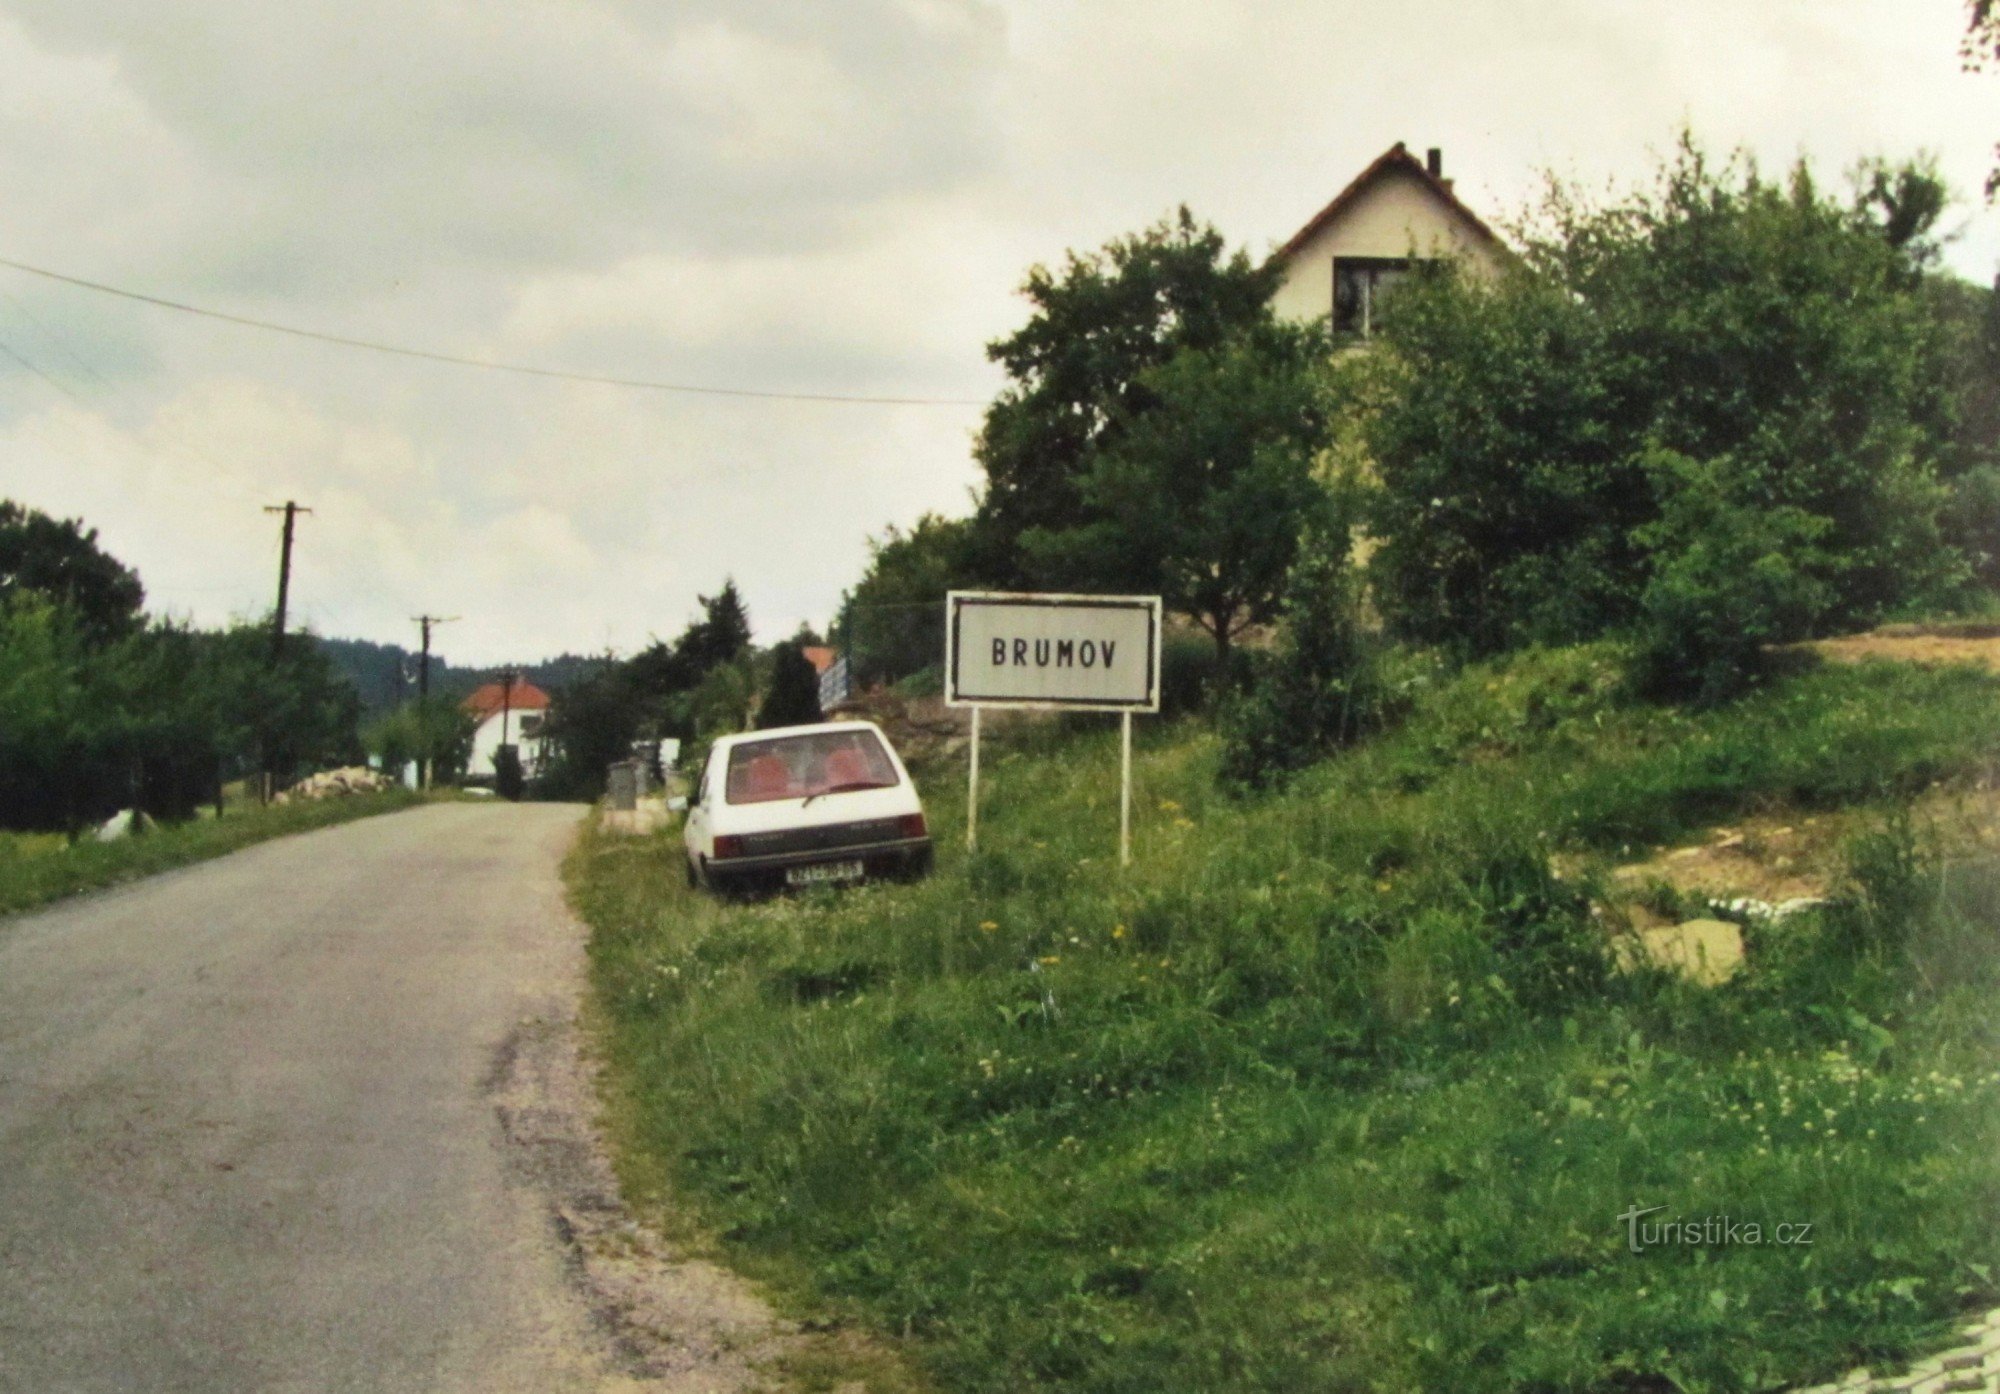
(1359, 283)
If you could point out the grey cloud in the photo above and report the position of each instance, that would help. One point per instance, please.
(381, 140)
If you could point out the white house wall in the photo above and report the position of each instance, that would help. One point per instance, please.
(486, 744)
(1396, 215)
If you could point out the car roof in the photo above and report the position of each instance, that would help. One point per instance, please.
(809, 730)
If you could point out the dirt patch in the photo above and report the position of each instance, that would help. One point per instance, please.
(1781, 856)
(673, 1324)
(1929, 644)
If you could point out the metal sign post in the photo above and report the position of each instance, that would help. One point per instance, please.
(1124, 788)
(1054, 652)
(972, 793)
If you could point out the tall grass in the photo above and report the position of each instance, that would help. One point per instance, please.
(1334, 1089)
(37, 870)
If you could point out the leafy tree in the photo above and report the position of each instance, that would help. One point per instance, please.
(1201, 497)
(442, 733)
(792, 696)
(1075, 372)
(1321, 688)
(593, 721)
(591, 724)
(1980, 49)
(62, 561)
(892, 623)
(726, 700)
(1773, 332)
(721, 635)
(1728, 577)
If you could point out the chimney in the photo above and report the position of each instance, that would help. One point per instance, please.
(1434, 162)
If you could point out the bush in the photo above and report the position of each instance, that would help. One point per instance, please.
(792, 696)
(1721, 315)
(1728, 579)
(1190, 675)
(1972, 522)
(1321, 689)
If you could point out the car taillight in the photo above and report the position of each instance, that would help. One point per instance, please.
(728, 845)
(912, 825)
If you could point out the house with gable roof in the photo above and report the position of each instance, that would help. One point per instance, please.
(510, 714)
(1396, 214)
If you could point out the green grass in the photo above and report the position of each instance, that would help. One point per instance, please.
(1333, 1090)
(38, 868)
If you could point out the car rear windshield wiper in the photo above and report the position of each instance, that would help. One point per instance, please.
(847, 788)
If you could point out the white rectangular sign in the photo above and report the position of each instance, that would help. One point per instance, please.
(1098, 652)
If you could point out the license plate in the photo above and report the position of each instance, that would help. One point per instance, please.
(823, 873)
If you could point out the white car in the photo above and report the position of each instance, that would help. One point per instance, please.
(804, 806)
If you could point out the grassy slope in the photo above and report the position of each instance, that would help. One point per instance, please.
(36, 871)
(1330, 1090)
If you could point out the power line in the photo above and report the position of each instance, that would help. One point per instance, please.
(523, 369)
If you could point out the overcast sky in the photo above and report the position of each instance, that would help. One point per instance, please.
(835, 197)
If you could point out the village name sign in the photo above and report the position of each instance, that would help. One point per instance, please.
(1069, 652)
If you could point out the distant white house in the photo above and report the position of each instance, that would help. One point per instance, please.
(1396, 214)
(512, 715)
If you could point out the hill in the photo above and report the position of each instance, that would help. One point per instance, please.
(386, 674)
(1344, 1088)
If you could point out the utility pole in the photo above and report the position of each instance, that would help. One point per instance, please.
(501, 786)
(508, 677)
(291, 511)
(424, 692)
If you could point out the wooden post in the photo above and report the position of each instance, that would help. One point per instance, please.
(972, 792)
(1125, 788)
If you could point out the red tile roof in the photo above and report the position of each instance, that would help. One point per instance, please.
(488, 698)
(1394, 158)
(821, 657)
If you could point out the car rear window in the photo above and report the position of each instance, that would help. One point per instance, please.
(795, 767)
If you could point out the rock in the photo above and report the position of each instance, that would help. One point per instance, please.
(123, 824)
(333, 784)
(1707, 952)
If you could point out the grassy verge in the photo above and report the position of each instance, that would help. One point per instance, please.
(37, 869)
(1334, 1090)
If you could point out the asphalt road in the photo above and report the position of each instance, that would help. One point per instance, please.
(247, 1134)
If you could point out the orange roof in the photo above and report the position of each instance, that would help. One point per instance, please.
(1394, 158)
(820, 656)
(488, 698)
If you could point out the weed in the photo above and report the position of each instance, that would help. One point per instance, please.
(1333, 1089)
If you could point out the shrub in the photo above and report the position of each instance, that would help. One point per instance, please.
(1322, 687)
(1728, 579)
(1720, 314)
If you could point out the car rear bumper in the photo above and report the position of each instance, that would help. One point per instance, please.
(904, 857)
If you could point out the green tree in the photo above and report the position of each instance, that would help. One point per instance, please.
(1201, 497)
(1728, 577)
(1321, 687)
(1774, 332)
(592, 723)
(441, 732)
(1075, 372)
(62, 561)
(1980, 49)
(791, 698)
(892, 623)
